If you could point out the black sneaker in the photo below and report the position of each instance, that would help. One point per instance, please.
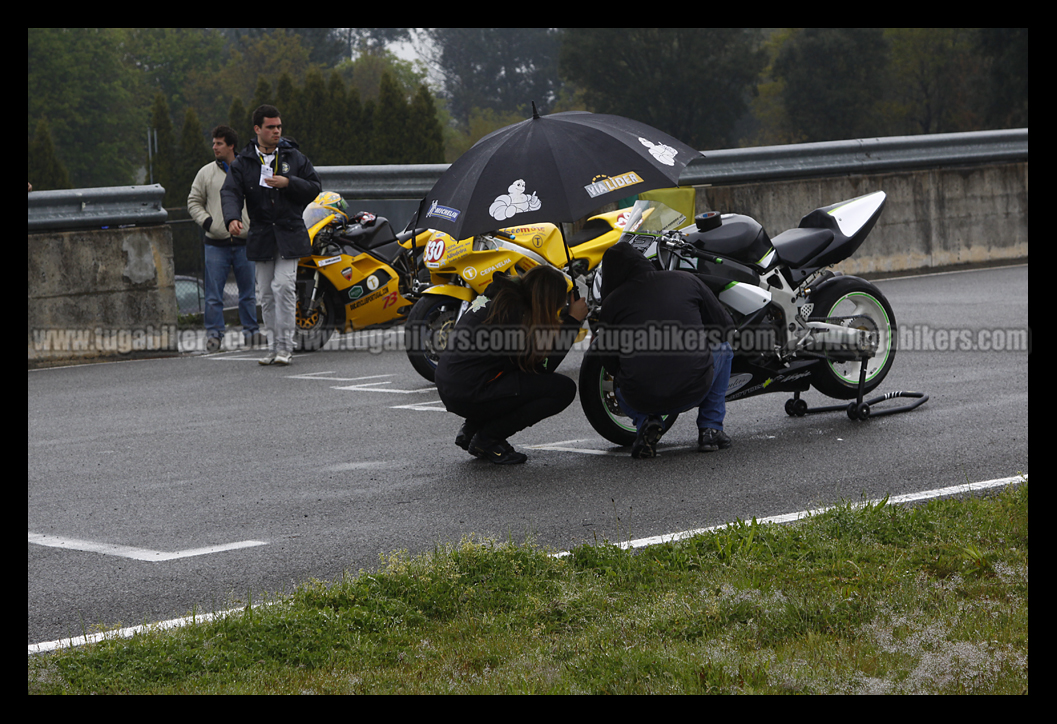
(499, 452)
(465, 435)
(645, 445)
(710, 440)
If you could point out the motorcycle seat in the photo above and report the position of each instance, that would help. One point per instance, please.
(370, 237)
(798, 246)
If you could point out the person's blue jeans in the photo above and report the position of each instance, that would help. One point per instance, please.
(712, 408)
(218, 260)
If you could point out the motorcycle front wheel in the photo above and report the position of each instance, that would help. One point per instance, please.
(426, 331)
(854, 297)
(599, 402)
(316, 326)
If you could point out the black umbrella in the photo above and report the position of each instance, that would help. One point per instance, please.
(551, 169)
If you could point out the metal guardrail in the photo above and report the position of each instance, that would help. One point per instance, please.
(96, 208)
(869, 155)
(141, 205)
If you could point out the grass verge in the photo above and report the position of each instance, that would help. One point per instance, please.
(874, 599)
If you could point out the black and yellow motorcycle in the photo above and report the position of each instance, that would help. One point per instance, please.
(360, 274)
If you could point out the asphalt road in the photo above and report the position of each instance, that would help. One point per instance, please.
(185, 453)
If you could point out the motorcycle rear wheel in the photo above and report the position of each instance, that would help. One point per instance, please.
(426, 331)
(853, 297)
(599, 402)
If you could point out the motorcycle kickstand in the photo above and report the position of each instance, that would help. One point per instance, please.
(858, 410)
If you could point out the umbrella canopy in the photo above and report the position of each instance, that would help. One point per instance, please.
(551, 168)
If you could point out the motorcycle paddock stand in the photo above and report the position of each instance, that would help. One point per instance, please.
(857, 410)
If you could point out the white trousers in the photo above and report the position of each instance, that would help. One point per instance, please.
(278, 296)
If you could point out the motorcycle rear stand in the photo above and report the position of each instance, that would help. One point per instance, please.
(858, 410)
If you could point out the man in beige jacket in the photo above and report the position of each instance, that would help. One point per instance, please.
(223, 251)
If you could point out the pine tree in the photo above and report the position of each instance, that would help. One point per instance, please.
(239, 120)
(191, 155)
(425, 139)
(262, 96)
(163, 160)
(390, 123)
(356, 130)
(312, 125)
(288, 101)
(45, 169)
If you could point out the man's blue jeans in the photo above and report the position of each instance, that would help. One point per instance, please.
(712, 408)
(218, 259)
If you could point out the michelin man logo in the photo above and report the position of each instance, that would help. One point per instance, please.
(514, 202)
(663, 154)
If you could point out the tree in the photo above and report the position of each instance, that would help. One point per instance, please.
(314, 114)
(192, 153)
(162, 161)
(934, 71)
(1005, 52)
(425, 139)
(502, 69)
(45, 169)
(93, 100)
(355, 133)
(261, 96)
(239, 120)
(694, 84)
(389, 140)
(834, 82)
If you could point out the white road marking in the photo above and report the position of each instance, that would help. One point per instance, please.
(138, 554)
(320, 376)
(564, 445)
(421, 406)
(793, 517)
(126, 633)
(639, 543)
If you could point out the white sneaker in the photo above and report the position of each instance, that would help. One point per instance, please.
(284, 357)
(268, 359)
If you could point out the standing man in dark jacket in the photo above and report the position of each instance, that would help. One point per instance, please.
(665, 337)
(276, 182)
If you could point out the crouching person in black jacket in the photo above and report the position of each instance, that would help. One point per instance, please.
(497, 370)
(678, 354)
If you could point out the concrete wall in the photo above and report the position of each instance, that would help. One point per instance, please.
(933, 218)
(101, 293)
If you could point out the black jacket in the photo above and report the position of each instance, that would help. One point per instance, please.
(655, 329)
(474, 368)
(275, 214)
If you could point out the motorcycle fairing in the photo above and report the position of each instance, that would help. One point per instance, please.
(795, 377)
(850, 221)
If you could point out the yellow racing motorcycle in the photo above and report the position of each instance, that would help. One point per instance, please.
(461, 270)
(360, 274)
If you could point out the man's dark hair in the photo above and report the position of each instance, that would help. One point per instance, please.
(227, 133)
(263, 112)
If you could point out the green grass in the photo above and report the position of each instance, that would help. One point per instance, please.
(874, 599)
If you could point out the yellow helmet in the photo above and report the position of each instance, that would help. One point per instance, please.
(333, 201)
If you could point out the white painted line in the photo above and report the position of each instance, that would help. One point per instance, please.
(370, 387)
(126, 633)
(564, 445)
(138, 554)
(640, 543)
(793, 517)
(342, 467)
(421, 406)
(319, 376)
